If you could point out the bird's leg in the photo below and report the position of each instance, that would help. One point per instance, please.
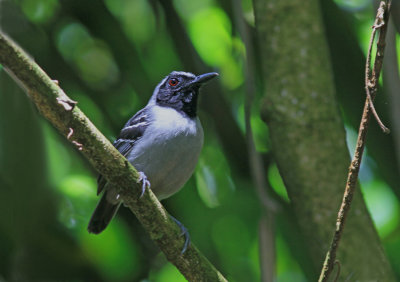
(145, 182)
(185, 232)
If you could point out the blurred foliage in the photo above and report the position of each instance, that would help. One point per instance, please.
(108, 56)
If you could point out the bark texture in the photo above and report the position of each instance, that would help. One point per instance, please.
(63, 113)
(308, 137)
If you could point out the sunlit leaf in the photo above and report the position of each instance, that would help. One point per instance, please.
(96, 65)
(70, 37)
(353, 5)
(260, 132)
(89, 56)
(210, 31)
(207, 186)
(276, 182)
(248, 12)
(40, 11)
(187, 9)
(136, 17)
(112, 252)
(78, 186)
(79, 200)
(213, 179)
(383, 206)
(287, 268)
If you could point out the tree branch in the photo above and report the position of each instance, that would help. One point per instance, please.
(307, 134)
(371, 86)
(267, 252)
(63, 113)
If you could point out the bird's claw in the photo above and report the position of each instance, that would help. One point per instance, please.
(145, 182)
(185, 232)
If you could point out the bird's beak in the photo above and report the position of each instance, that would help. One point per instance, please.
(202, 78)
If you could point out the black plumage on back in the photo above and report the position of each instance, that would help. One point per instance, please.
(129, 135)
(170, 138)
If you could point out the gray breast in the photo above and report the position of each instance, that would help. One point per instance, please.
(168, 151)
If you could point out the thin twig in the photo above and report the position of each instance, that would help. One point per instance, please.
(338, 270)
(369, 83)
(371, 89)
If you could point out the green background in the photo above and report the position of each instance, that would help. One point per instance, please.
(109, 55)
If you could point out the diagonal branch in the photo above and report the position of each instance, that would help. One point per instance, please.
(371, 87)
(63, 113)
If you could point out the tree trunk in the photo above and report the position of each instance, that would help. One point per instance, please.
(308, 137)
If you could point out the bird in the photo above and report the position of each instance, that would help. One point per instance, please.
(162, 141)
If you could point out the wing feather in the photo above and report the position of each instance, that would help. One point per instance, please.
(129, 135)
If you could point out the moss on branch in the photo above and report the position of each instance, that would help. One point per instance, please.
(66, 116)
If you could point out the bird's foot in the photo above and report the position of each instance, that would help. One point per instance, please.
(185, 232)
(145, 182)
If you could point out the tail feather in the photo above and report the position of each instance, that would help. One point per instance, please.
(102, 215)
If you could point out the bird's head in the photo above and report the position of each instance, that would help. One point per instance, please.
(179, 90)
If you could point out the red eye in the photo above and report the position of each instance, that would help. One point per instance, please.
(173, 82)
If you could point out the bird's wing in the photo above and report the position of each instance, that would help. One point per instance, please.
(132, 132)
(129, 135)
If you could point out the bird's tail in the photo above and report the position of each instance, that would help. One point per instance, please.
(102, 215)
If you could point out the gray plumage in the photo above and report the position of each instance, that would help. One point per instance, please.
(162, 141)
